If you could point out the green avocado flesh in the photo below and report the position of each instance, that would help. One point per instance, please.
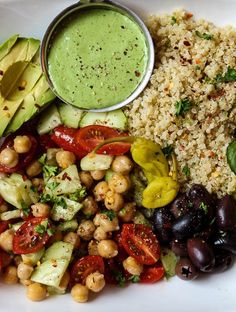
(23, 88)
(97, 58)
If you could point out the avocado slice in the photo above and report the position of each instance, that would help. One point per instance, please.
(7, 45)
(33, 102)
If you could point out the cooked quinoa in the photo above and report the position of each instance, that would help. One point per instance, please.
(189, 56)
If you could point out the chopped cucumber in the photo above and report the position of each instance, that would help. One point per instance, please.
(70, 115)
(65, 209)
(54, 264)
(67, 182)
(33, 258)
(49, 119)
(169, 260)
(51, 156)
(12, 214)
(96, 162)
(16, 226)
(71, 225)
(109, 175)
(139, 218)
(115, 119)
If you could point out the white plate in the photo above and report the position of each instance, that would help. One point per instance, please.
(213, 293)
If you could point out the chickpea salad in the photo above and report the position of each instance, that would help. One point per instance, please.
(83, 204)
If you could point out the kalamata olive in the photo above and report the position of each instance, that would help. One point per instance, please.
(190, 223)
(226, 241)
(186, 270)
(207, 233)
(201, 254)
(163, 220)
(202, 199)
(179, 248)
(226, 213)
(180, 205)
(223, 260)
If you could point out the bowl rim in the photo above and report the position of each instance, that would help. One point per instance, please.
(113, 5)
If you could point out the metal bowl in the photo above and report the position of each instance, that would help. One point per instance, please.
(107, 4)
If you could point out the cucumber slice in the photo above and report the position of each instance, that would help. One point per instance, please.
(115, 119)
(59, 250)
(96, 162)
(70, 115)
(16, 226)
(33, 258)
(71, 225)
(49, 119)
(12, 214)
(65, 211)
(109, 175)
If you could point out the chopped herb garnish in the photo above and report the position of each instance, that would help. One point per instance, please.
(186, 171)
(41, 228)
(204, 35)
(173, 20)
(229, 76)
(109, 213)
(42, 159)
(134, 279)
(25, 209)
(45, 198)
(60, 201)
(119, 278)
(49, 171)
(204, 207)
(52, 185)
(182, 107)
(34, 188)
(78, 195)
(167, 151)
(197, 67)
(51, 232)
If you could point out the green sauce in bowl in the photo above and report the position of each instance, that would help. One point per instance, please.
(97, 58)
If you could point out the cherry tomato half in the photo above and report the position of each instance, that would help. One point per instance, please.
(27, 240)
(5, 259)
(24, 159)
(141, 243)
(3, 226)
(152, 274)
(85, 266)
(65, 138)
(46, 142)
(89, 137)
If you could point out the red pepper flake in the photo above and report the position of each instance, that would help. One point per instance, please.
(1, 72)
(65, 176)
(5, 108)
(215, 95)
(187, 43)
(212, 154)
(188, 15)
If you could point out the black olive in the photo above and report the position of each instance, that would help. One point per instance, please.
(189, 224)
(223, 261)
(201, 254)
(180, 205)
(207, 233)
(226, 241)
(186, 270)
(202, 199)
(163, 220)
(179, 248)
(226, 213)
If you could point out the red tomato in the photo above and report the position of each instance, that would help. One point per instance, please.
(141, 243)
(46, 142)
(3, 226)
(27, 239)
(24, 159)
(5, 259)
(89, 137)
(114, 272)
(85, 266)
(152, 274)
(65, 138)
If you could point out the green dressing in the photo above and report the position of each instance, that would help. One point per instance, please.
(97, 58)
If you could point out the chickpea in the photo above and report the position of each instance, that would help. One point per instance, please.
(119, 183)
(80, 293)
(72, 238)
(122, 164)
(90, 207)
(9, 157)
(41, 210)
(99, 234)
(98, 174)
(6, 240)
(17, 260)
(113, 201)
(22, 144)
(65, 159)
(108, 225)
(107, 248)
(3, 207)
(56, 237)
(64, 280)
(100, 190)
(86, 179)
(26, 282)
(24, 271)
(10, 275)
(38, 182)
(95, 281)
(93, 248)
(3, 175)
(34, 169)
(131, 265)
(86, 230)
(127, 213)
(36, 292)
